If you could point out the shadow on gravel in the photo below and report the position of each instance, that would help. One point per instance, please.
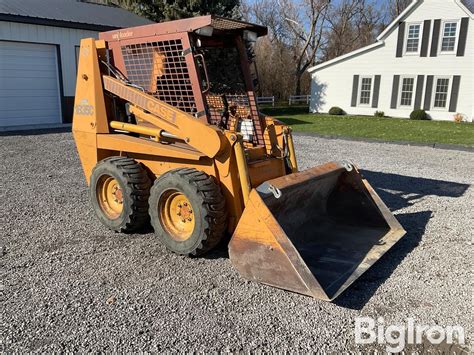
(221, 251)
(399, 191)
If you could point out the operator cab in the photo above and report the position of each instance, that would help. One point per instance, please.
(183, 66)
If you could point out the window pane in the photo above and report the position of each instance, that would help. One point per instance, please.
(365, 91)
(407, 91)
(413, 38)
(441, 94)
(448, 43)
(414, 31)
(450, 29)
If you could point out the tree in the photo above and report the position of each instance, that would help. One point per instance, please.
(164, 10)
(275, 57)
(396, 7)
(352, 24)
(307, 21)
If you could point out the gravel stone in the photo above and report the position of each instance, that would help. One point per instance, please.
(69, 284)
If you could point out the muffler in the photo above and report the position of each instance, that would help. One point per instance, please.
(313, 232)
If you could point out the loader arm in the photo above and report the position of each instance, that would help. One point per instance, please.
(203, 137)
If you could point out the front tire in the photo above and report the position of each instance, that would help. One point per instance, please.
(119, 190)
(187, 211)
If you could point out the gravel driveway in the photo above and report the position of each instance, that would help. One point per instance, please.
(67, 283)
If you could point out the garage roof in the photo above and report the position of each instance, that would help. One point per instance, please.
(81, 14)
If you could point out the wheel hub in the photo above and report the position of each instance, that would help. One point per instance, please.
(177, 215)
(110, 196)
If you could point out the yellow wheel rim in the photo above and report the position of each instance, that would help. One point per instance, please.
(177, 215)
(110, 196)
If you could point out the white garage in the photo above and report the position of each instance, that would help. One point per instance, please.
(39, 42)
(29, 84)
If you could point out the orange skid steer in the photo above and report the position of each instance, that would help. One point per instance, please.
(168, 131)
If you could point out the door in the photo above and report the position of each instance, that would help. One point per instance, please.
(29, 85)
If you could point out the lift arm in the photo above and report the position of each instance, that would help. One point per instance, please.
(204, 137)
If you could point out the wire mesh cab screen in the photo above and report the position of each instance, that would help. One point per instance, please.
(160, 69)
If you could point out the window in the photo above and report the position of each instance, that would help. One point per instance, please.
(450, 32)
(406, 91)
(413, 38)
(441, 91)
(365, 90)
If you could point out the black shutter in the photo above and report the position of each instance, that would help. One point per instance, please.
(426, 38)
(355, 90)
(428, 91)
(435, 39)
(453, 103)
(375, 96)
(420, 81)
(401, 39)
(395, 86)
(463, 36)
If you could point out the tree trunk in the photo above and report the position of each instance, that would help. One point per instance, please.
(298, 83)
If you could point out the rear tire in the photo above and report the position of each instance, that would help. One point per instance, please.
(187, 211)
(119, 190)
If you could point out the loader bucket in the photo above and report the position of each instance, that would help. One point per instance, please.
(313, 232)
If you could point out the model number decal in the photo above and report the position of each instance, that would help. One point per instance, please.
(84, 108)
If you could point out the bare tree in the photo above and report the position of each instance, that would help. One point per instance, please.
(274, 53)
(307, 21)
(397, 6)
(352, 24)
(305, 32)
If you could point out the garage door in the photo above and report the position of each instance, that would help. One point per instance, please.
(29, 86)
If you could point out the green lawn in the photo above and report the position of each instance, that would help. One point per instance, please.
(384, 129)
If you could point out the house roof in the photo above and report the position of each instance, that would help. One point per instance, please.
(81, 14)
(466, 5)
(469, 4)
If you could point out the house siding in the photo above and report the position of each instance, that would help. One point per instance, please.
(330, 84)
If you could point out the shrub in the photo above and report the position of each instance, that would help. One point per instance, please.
(419, 115)
(459, 117)
(379, 114)
(336, 111)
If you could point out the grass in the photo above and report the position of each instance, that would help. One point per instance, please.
(383, 129)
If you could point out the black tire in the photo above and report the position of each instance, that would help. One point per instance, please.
(134, 184)
(208, 204)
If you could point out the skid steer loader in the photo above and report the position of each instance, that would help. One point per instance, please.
(168, 130)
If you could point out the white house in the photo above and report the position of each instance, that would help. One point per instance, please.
(423, 59)
(39, 42)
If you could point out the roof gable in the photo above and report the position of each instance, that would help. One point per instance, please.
(466, 5)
